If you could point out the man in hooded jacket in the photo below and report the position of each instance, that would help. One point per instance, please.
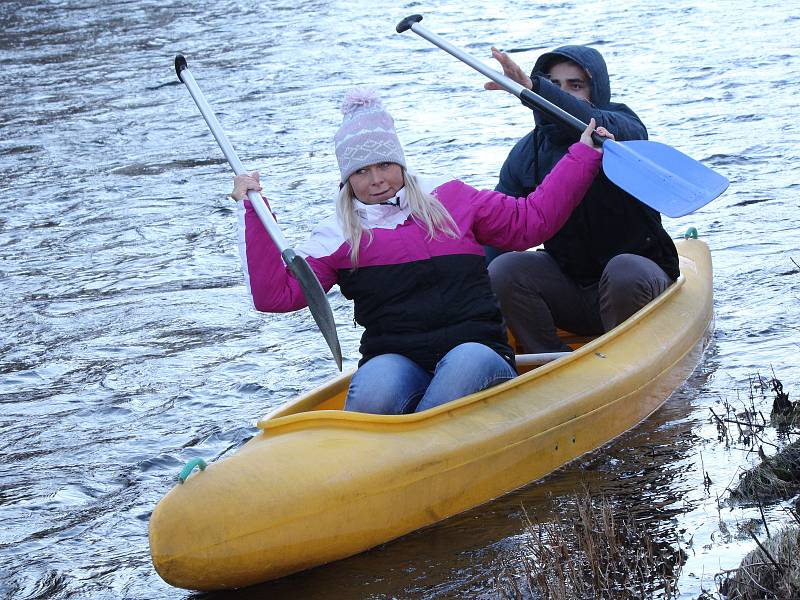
(612, 256)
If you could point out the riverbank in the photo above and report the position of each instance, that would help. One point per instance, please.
(772, 568)
(595, 547)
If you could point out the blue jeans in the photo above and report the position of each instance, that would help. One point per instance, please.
(391, 384)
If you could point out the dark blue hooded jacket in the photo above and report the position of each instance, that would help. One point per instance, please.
(609, 221)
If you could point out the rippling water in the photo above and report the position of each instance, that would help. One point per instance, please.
(128, 345)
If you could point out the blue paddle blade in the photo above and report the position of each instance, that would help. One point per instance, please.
(660, 176)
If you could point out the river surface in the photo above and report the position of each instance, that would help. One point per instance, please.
(128, 345)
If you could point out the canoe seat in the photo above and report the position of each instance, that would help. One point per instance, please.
(572, 340)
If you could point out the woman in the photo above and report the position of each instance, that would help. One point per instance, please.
(409, 252)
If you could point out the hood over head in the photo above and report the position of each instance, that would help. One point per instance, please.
(590, 60)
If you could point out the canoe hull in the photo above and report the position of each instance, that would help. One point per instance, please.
(319, 485)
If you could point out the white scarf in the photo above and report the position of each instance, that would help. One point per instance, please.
(328, 236)
(393, 212)
(387, 215)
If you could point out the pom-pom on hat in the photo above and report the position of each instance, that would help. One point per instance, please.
(367, 135)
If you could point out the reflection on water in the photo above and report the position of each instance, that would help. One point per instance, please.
(128, 345)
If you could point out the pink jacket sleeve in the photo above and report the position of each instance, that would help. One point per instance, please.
(521, 223)
(272, 285)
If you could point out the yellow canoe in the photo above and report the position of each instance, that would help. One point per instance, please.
(318, 484)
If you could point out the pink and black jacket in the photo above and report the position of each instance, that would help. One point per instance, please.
(416, 296)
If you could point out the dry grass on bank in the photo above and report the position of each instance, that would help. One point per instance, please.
(593, 555)
(770, 572)
(777, 477)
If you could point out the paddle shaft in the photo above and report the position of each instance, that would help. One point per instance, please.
(312, 289)
(259, 205)
(526, 96)
(537, 360)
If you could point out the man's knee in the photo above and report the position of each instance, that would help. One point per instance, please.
(628, 283)
(503, 274)
(520, 272)
(634, 273)
(624, 271)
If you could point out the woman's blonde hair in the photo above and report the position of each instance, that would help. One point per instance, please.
(426, 210)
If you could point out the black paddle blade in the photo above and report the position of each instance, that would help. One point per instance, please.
(660, 176)
(317, 301)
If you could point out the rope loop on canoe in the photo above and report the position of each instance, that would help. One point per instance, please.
(189, 467)
(690, 233)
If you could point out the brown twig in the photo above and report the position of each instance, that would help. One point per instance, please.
(763, 518)
(767, 554)
(745, 423)
(720, 421)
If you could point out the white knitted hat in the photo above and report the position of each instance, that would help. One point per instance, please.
(367, 135)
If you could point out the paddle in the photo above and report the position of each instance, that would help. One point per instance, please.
(312, 289)
(654, 173)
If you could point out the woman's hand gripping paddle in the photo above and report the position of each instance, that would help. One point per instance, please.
(654, 173)
(315, 295)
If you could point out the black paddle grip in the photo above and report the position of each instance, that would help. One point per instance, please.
(180, 65)
(406, 23)
(598, 141)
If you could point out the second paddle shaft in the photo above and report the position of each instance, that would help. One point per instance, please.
(526, 96)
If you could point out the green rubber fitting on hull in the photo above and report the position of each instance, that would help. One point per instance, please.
(189, 467)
